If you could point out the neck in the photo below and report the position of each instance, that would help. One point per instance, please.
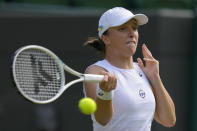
(120, 62)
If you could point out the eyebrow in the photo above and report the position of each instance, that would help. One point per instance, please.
(134, 22)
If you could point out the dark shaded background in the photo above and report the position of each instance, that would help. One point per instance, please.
(168, 35)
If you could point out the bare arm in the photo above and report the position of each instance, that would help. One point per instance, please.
(165, 109)
(104, 110)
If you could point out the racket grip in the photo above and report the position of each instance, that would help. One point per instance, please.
(93, 78)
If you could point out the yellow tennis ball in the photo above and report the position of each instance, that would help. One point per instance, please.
(87, 106)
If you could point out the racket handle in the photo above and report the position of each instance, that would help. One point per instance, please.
(93, 78)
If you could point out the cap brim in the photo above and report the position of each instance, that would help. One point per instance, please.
(141, 20)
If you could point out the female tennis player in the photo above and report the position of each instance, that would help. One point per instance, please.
(131, 94)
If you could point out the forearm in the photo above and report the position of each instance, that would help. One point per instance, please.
(104, 111)
(165, 108)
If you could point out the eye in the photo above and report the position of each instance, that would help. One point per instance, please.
(122, 28)
(135, 27)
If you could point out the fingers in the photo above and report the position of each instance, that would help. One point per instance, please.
(109, 82)
(148, 60)
(140, 63)
(146, 52)
(151, 60)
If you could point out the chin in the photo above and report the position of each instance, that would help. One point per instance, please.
(132, 52)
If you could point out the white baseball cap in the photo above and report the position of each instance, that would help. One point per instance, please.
(118, 16)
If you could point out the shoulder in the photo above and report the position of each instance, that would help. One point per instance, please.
(94, 69)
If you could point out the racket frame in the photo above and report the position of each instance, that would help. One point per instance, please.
(62, 66)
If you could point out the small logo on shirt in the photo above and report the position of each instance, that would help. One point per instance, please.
(100, 94)
(142, 94)
(140, 74)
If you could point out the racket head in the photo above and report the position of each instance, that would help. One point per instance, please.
(38, 74)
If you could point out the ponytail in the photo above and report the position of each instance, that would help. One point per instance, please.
(97, 43)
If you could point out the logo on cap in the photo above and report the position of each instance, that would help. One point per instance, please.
(100, 28)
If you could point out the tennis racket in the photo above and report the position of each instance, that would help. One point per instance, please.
(39, 74)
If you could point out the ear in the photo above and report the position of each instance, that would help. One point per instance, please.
(105, 39)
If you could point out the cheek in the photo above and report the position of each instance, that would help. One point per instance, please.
(116, 38)
(137, 36)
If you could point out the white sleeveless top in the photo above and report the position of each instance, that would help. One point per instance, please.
(133, 101)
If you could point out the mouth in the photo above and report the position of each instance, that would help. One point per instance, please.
(131, 42)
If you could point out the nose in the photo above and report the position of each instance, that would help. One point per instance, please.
(131, 31)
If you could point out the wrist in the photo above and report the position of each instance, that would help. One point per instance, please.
(155, 79)
(104, 95)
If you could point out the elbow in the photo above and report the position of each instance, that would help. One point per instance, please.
(173, 123)
(103, 123)
(102, 119)
(170, 123)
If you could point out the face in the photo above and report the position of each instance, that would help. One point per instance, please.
(122, 39)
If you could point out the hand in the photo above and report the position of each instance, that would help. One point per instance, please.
(151, 67)
(109, 82)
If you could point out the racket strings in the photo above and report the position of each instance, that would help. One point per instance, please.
(37, 74)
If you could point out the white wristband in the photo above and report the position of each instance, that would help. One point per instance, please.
(104, 95)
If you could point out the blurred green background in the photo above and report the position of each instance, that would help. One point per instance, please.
(137, 4)
(171, 35)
